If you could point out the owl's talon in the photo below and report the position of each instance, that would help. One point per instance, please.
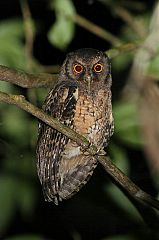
(85, 148)
(100, 152)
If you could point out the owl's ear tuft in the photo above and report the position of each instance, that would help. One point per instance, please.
(69, 55)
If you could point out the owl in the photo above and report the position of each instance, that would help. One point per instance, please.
(80, 100)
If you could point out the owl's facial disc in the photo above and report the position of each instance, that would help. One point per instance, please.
(88, 72)
(89, 68)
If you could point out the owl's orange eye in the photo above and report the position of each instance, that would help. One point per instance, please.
(98, 68)
(78, 68)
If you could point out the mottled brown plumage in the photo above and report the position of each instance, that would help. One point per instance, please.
(81, 100)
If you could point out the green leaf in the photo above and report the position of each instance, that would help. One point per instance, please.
(128, 34)
(124, 110)
(131, 137)
(7, 201)
(122, 61)
(63, 7)
(15, 124)
(11, 45)
(5, 87)
(11, 28)
(62, 31)
(26, 197)
(25, 193)
(127, 126)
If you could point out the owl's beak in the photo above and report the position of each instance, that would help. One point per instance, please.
(88, 79)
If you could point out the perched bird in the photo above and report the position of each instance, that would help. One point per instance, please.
(81, 100)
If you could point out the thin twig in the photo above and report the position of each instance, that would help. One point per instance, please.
(29, 32)
(134, 5)
(126, 184)
(125, 15)
(95, 29)
(140, 199)
(125, 48)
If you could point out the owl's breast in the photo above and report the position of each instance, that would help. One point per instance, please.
(91, 116)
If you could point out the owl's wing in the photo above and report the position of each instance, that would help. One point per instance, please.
(60, 103)
(108, 133)
(109, 124)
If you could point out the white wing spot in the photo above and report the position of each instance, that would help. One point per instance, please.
(72, 152)
(75, 94)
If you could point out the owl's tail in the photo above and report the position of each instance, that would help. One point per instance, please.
(76, 175)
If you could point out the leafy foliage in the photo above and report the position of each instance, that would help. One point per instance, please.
(127, 123)
(62, 31)
(11, 45)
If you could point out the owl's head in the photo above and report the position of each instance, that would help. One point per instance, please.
(90, 68)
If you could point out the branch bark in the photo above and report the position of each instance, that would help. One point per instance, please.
(27, 80)
(29, 33)
(116, 174)
(97, 30)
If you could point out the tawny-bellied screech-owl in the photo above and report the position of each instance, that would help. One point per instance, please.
(81, 100)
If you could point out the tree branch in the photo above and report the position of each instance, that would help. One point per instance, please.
(117, 175)
(27, 80)
(124, 14)
(97, 30)
(140, 199)
(126, 184)
(29, 33)
(120, 10)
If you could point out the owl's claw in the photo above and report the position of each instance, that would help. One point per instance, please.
(100, 151)
(85, 148)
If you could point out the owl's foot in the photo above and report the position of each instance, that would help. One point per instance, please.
(85, 149)
(100, 151)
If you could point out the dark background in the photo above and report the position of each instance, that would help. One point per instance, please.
(93, 213)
